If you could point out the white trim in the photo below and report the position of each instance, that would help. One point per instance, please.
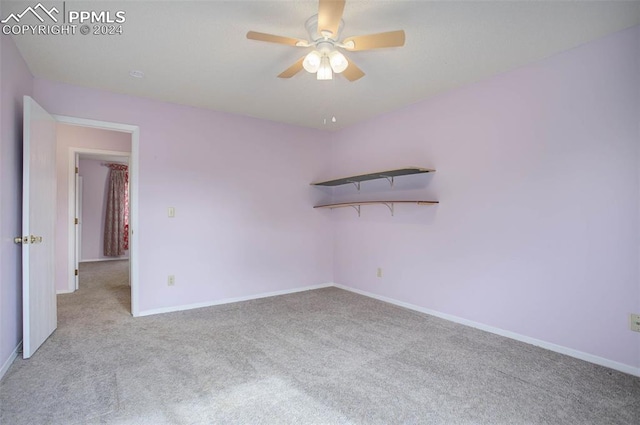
(133, 182)
(518, 337)
(73, 152)
(26, 175)
(71, 211)
(104, 259)
(104, 125)
(9, 362)
(77, 240)
(133, 220)
(64, 291)
(233, 300)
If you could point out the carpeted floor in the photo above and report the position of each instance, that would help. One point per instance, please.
(319, 357)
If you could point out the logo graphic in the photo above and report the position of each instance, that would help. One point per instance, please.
(34, 12)
(69, 22)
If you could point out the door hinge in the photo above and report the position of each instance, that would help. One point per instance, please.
(76, 170)
(76, 272)
(76, 221)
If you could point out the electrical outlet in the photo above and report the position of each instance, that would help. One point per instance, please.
(172, 280)
(379, 272)
(634, 322)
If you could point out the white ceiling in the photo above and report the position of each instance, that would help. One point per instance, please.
(196, 53)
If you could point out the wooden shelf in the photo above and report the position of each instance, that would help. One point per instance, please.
(387, 174)
(388, 204)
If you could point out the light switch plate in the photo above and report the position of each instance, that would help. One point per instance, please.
(171, 211)
(634, 322)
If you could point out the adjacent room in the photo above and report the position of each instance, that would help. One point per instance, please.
(320, 212)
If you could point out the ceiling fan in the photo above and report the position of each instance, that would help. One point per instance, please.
(324, 32)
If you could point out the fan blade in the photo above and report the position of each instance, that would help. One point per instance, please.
(293, 69)
(352, 72)
(260, 36)
(375, 41)
(329, 16)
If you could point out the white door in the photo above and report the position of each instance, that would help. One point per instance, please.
(39, 313)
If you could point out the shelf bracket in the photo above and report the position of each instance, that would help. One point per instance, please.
(357, 208)
(389, 179)
(355, 183)
(390, 206)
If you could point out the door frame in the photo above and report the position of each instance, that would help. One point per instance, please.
(74, 154)
(134, 130)
(78, 228)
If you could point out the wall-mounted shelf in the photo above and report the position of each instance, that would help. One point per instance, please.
(390, 175)
(388, 204)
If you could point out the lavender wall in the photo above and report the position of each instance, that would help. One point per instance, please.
(94, 194)
(244, 223)
(537, 175)
(68, 137)
(15, 82)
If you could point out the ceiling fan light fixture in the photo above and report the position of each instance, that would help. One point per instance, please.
(338, 62)
(312, 62)
(325, 72)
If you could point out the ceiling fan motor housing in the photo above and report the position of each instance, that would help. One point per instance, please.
(325, 47)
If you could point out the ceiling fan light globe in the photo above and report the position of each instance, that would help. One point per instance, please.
(325, 72)
(338, 62)
(312, 62)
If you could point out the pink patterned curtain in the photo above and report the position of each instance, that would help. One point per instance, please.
(116, 226)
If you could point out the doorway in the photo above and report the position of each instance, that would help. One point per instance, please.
(93, 170)
(74, 236)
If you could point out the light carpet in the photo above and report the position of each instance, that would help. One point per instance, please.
(326, 356)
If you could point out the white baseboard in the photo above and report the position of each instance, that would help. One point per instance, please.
(104, 259)
(518, 337)
(9, 362)
(232, 300)
(64, 291)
